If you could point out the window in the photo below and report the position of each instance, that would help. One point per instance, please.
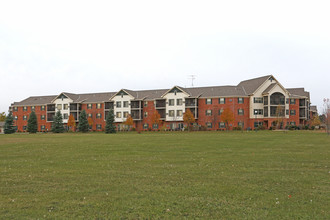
(42, 127)
(220, 111)
(293, 123)
(208, 112)
(33, 108)
(155, 126)
(98, 126)
(65, 106)
(208, 124)
(292, 112)
(89, 106)
(258, 112)
(257, 124)
(222, 125)
(65, 116)
(292, 101)
(208, 101)
(179, 102)
(15, 109)
(145, 126)
(145, 103)
(125, 114)
(59, 106)
(125, 104)
(98, 115)
(240, 111)
(171, 102)
(24, 108)
(240, 124)
(287, 101)
(145, 114)
(118, 114)
(24, 128)
(99, 105)
(118, 104)
(24, 117)
(258, 100)
(43, 108)
(240, 100)
(42, 117)
(171, 113)
(15, 117)
(179, 113)
(89, 115)
(222, 101)
(287, 112)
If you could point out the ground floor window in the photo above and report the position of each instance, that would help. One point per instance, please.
(222, 125)
(208, 124)
(257, 124)
(293, 123)
(98, 126)
(155, 126)
(24, 128)
(42, 127)
(240, 124)
(145, 126)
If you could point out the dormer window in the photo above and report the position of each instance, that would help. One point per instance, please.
(175, 92)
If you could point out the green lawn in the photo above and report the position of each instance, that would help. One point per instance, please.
(203, 175)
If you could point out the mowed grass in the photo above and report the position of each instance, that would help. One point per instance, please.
(179, 175)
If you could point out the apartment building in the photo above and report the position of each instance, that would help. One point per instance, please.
(254, 102)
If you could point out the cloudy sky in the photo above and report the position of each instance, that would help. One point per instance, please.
(47, 47)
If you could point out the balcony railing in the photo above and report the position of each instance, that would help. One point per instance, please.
(160, 103)
(51, 108)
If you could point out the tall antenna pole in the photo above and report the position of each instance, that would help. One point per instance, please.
(192, 77)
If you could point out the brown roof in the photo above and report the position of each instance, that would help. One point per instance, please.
(251, 85)
(298, 92)
(313, 108)
(269, 88)
(36, 100)
(244, 88)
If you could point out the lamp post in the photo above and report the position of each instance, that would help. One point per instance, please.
(255, 114)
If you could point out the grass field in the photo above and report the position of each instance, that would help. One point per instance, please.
(205, 175)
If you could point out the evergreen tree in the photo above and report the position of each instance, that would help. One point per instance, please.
(57, 126)
(9, 128)
(110, 127)
(83, 125)
(32, 123)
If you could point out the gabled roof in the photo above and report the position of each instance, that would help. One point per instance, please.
(251, 85)
(313, 108)
(215, 91)
(36, 100)
(178, 87)
(298, 92)
(270, 87)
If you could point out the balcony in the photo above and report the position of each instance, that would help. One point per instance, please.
(190, 103)
(75, 107)
(108, 105)
(50, 116)
(51, 108)
(302, 103)
(161, 103)
(135, 104)
(136, 115)
(162, 113)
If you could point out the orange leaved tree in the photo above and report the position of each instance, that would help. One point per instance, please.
(129, 122)
(227, 116)
(188, 118)
(72, 123)
(90, 122)
(155, 119)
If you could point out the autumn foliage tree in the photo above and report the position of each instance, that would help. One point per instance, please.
(129, 121)
(227, 117)
(188, 118)
(72, 123)
(90, 122)
(3, 116)
(155, 119)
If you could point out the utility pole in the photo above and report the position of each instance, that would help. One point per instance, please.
(192, 78)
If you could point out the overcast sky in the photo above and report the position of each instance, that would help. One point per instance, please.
(47, 47)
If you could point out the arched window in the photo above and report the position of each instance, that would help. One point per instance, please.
(277, 99)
